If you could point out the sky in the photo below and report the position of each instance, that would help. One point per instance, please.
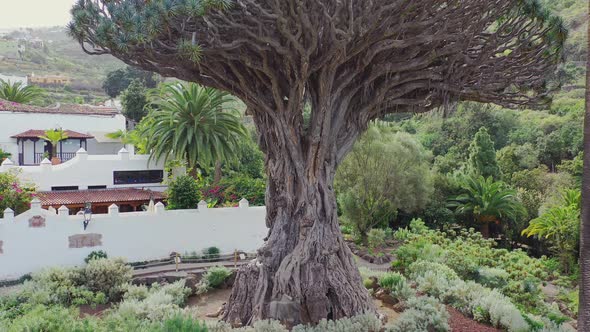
(34, 13)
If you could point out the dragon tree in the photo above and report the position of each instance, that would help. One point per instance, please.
(351, 62)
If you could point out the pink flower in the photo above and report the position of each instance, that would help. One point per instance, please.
(19, 190)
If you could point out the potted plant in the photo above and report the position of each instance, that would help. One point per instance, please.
(54, 137)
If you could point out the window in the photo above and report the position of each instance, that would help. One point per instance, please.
(97, 187)
(64, 188)
(138, 177)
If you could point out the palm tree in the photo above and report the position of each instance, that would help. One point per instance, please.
(193, 123)
(487, 201)
(559, 225)
(54, 137)
(18, 93)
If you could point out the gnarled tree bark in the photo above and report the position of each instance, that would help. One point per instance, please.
(351, 62)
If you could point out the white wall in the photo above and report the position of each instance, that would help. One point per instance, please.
(136, 236)
(15, 123)
(85, 170)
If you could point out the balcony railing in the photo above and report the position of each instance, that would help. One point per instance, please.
(38, 157)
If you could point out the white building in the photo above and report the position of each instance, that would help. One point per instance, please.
(21, 125)
(14, 79)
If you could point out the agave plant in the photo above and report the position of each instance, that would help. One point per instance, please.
(18, 93)
(487, 201)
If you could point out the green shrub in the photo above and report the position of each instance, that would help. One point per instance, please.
(376, 237)
(183, 193)
(95, 255)
(108, 276)
(180, 323)
(14, 194)
(391, 280)
(215, 276)
(492, 277)
(360, 323)
(425, 314)
(420, 268)
(54, 318)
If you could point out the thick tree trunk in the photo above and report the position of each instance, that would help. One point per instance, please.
(484, 229)
(305, 272)
(584, 309)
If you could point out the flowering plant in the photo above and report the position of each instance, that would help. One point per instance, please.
(13, 194)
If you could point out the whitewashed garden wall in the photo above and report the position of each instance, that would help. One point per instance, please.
(41, 238)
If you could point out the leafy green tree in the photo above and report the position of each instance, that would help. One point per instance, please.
(560, 226)
(384, 173)
(192, 123)
(119, 80)
(482, 156)
(134, 101)
(487, 201)
(183, 193)
(18, 93)
(514, 158)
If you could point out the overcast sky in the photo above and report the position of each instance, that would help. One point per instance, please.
(34, 13)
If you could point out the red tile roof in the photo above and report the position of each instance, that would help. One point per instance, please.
(9, 106)
(73, 197)
(35, 133)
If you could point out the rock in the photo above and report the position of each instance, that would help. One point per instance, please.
(147, 280)
(399, 307)
(382, 318)
(550, 290)
(374, 283)
(385, 297)
(191, 282)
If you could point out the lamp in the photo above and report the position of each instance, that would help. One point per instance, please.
(87, 214)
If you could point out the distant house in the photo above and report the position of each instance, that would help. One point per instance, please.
(86, 126)
(49, 80)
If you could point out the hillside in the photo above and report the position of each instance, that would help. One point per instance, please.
(49, 51)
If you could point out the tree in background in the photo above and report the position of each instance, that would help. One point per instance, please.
(192, 123)
(560, 226)
(119, 80)
(487, 202)
(371, 59)
(385, 172)
(134, 101)
(183, 193)
(18, 93)
(482, 156)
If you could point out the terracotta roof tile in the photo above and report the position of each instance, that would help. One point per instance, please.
(9, 106)
(71, 197)
(35, 133)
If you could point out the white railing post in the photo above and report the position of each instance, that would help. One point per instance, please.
(45, 165)
(82, 154)
(160, 208)
(244, 203)
(113, 210)
(35, 205)
(63, 211)
(202, 206)
(123, 154)
(6, 165)
(8, 215)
